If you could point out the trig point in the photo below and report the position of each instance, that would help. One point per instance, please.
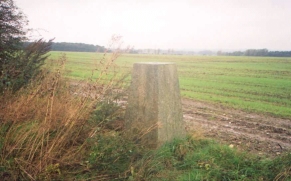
(154, 103)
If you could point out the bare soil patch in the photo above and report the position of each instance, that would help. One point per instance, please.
(251, 132)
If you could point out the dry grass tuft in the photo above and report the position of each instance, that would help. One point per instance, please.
(45, 125)
(285, 175)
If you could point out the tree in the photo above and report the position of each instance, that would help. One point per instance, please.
(18, 65)
(12, 33)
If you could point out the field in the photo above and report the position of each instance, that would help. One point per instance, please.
(243, 101)
(236, 110)
(253, 84)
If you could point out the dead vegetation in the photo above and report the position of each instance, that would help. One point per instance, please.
(45, 126)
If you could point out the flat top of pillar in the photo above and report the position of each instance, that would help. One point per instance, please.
(155, 63)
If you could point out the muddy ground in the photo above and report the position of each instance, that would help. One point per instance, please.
(256, 133)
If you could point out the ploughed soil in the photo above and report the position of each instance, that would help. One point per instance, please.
(251, 132)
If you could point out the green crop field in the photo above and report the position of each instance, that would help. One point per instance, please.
(255, 84)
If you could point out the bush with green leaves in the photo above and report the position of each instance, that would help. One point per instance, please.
(18, 64)
(24, 66)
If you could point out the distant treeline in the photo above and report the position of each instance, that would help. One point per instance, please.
(74, 47)
(257, 52)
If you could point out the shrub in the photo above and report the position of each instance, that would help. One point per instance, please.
(18, 64)
(24, 65)
(44, 126)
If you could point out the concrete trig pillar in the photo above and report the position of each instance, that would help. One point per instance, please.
(154, 103)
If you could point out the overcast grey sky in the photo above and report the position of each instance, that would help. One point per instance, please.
(177, 24)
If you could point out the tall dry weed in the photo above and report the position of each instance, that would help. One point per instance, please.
(44, 126)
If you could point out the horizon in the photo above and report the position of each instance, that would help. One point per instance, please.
(182, 49)
(187, 24)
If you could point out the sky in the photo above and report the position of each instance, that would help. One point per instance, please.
(164, 24)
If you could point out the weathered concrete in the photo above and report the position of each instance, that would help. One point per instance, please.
(154, 103)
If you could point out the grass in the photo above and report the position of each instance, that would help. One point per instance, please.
(255, 84)
(185, 159)
(45, 126)
(52, 130)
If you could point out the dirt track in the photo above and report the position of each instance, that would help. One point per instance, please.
(260, 134)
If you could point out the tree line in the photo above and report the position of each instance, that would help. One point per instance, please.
(257, 52)
(74, 47)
